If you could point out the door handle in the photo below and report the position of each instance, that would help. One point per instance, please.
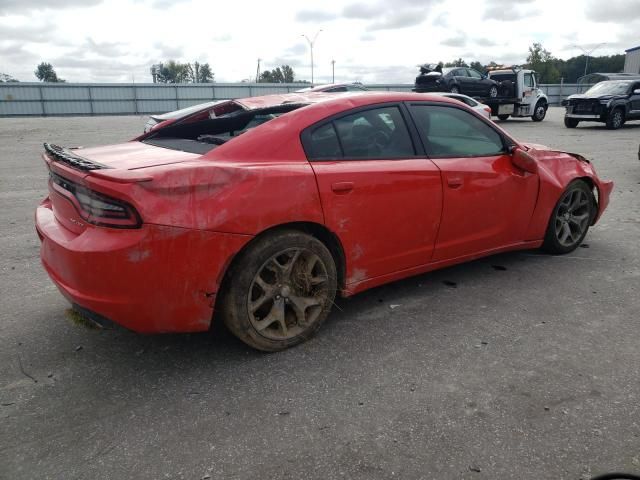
(342, 187)
(454, 181)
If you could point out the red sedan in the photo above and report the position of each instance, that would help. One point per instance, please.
(260, 210)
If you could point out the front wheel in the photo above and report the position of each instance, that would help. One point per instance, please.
(570, 219)
(503, 117)
(539, 112)
(571, 122)
(279, 291)
(455, 89)
(615, 120)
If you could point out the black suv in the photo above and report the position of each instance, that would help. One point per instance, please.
(434, 78)
(612, 102)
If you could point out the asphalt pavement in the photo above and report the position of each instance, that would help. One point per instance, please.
(521, 365)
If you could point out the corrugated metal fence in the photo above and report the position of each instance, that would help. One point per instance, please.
(55, 99)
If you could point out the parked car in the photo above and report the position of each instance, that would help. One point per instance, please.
(335, 88)
(612, 102)
(481, 108)
(434, 78)
(262, 226)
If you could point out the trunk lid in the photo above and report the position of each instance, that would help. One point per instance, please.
(131, 155)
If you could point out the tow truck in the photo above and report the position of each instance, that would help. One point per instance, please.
(518, 95)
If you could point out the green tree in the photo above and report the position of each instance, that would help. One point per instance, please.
(45, 73)
(6, 78)
(283, 74)
(541, 60)
(478, 67)
(456, 63)
(203, 72)
(175, 72)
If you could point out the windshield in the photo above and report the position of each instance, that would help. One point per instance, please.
(609, 88)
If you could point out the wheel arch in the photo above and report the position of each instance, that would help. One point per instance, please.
(317, 230)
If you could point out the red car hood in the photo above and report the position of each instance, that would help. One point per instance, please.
(133, 155)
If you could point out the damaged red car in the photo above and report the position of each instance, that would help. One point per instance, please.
(258, 212)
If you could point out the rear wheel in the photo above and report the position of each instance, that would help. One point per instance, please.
(615, 119)
(539, 112)
(570, 219)
(493, 91)
(455, 89)
(503, 117)
(571, 122)
(280, 291)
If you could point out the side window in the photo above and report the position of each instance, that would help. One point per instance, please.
(528, 80)
(473, 73)
(375, 133)
(336, 89)
(323, 143)
(460, 72)
(451, 132)
(354, 88)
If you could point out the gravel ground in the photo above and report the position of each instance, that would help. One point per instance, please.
(526, 367)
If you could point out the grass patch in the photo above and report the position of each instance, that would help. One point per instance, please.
(80, 320)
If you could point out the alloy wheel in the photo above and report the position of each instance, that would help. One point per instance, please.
(493, 92)
(288, 294)
(572, 217)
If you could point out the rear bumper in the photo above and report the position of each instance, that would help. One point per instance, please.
(150, 280)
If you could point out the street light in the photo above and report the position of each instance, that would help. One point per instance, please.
(333, 71)
(587, 53)
(311, 42)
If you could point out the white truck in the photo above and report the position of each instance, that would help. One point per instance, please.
(518, 95)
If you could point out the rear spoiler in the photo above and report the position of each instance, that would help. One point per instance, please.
(56, 153)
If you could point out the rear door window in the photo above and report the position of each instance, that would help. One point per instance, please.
(375, 133)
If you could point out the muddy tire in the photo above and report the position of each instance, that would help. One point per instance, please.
(279, 291)
(570, 219)
(571, 122)
(615, 119)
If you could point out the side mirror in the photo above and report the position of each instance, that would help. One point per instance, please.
(523, 160)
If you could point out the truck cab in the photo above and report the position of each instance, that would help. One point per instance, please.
(519, 94)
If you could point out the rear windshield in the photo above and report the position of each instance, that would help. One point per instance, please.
(206, 134)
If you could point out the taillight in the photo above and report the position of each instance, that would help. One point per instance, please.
(97, 208)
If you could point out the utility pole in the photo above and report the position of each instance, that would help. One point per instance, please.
(258, 71)
(333, 71)
(311, 43)
(587, 53)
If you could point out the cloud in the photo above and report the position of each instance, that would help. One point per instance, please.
(20, 6)
(167, 52)
(367, 37)
(225, 37)
(402, 19)
(314, 16)
(509, 10)
(363, 11)
(484, 42)
(460, 40)
(298, 49)
(441, 20)
(620, 11)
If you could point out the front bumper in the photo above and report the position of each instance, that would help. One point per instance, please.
(583, 117)
(150, 280)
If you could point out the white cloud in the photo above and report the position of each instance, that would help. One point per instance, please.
(371, 41)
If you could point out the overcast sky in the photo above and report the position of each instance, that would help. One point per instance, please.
(370, 40)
